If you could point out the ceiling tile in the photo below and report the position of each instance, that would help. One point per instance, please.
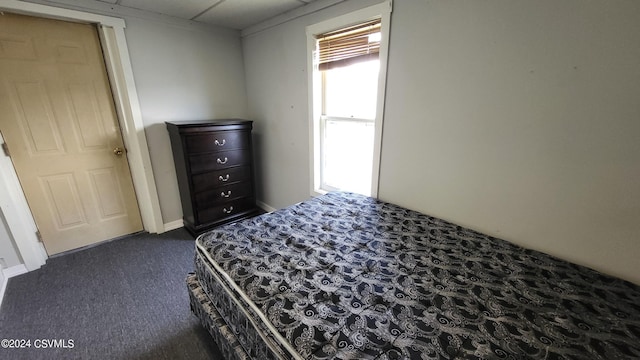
(181, 9)
(240, 14)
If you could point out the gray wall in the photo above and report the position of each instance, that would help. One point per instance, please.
(182, 74)
(183, 71)
(276, 71)
(519, 119)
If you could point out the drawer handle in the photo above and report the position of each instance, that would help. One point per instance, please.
(222, 161)
(224, 179)
(226, 195)
(224, 210)
(220, 143)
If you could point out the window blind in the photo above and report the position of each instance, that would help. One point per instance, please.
(345, 46)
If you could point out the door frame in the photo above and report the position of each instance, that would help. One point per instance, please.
(116, 55)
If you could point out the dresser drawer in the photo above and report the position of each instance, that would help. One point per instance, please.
(217, 141)
(219, 161)
(227, 209)
(223, 194)
(214, 179)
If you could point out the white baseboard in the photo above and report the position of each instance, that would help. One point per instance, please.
(3, 286)
(173, 225)
(7, 273)
(265, 207)
(14, 271)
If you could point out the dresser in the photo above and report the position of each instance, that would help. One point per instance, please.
(214, 166)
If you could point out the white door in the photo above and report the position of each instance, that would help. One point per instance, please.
(58, 119)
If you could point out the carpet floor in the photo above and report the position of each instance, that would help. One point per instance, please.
(123, 299)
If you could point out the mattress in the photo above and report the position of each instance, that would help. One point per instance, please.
(350, 277)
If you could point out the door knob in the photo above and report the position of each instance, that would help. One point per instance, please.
(118, 151)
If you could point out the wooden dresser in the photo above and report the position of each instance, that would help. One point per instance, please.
(214, 165)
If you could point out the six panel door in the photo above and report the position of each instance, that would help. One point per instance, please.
(58, 119)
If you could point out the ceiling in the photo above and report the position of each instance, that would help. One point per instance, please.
(235, 14)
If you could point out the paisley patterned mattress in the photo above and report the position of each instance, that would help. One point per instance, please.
(350, 277)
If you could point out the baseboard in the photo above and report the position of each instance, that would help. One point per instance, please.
(7, 273)
(173, 225)
(265, 207)
(14, 271)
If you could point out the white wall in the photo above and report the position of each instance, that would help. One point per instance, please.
(519, 119)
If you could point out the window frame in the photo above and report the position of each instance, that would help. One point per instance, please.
(315, 88)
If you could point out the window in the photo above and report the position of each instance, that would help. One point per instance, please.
(347, 62)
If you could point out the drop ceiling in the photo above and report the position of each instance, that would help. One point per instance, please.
(235, 14)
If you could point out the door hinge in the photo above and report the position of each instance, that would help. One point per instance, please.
(39, 236)
(5, 148)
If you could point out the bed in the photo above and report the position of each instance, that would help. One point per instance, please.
(344, 276)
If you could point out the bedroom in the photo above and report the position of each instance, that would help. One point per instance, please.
(519, 120)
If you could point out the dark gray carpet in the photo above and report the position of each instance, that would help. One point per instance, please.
(124, 299)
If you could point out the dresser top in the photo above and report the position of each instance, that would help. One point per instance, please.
(200, 126)
(192, 123)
